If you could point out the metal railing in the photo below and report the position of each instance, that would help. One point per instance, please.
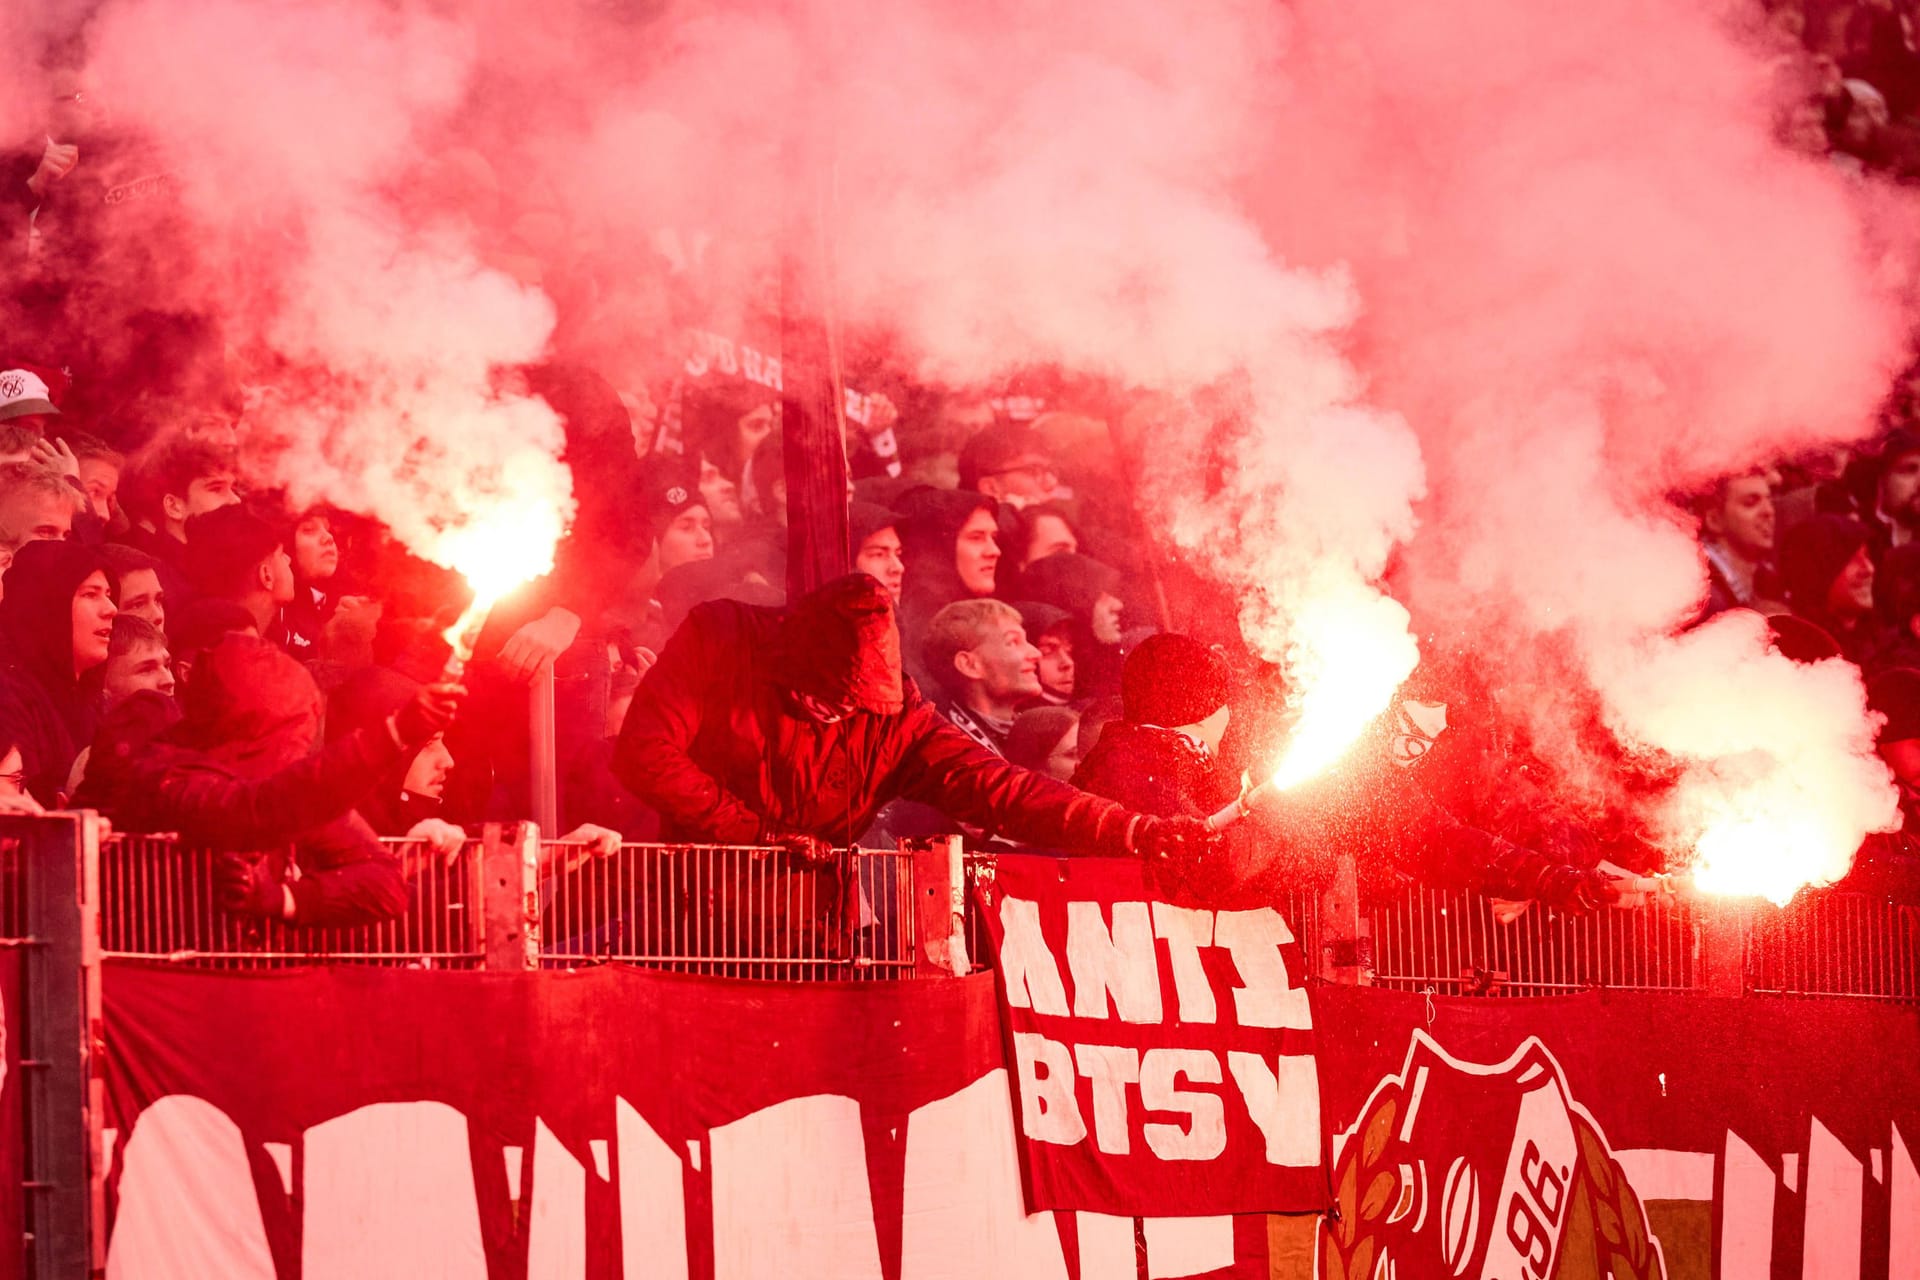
(158, 902)
(737, 911)
(1835, 944)
(1453, 942)
(720, 910)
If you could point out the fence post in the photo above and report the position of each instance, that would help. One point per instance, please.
(1720, 933)
(543, 770)
(1346, 947)
(510, 896)
(60, 987)
(939, 905)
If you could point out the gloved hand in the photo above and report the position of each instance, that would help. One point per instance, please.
(808, 850)
(1166, 838)
(1576, 890)
(245, 884)
(430, 712)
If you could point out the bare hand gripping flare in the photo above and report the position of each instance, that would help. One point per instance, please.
(498, 553)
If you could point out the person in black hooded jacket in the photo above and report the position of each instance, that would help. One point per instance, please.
(56, 622)
(951, 547)
(234, 770)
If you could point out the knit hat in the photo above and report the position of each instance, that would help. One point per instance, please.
(1895, 694)
(23, 392)
(670, 483)
(1173, 680)
(1812, 555)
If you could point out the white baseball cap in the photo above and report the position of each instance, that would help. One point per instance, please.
(22, 393)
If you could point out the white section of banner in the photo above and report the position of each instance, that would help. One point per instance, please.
(790, 1194)
(188, 1209)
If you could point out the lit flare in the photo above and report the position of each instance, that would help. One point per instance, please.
(496, 553)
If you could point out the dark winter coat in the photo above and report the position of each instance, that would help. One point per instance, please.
(716, 744)
(49, 711)
(238, 773)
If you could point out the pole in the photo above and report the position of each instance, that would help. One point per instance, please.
(812, 395)
(543, 768)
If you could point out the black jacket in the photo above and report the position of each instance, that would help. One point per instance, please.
(44, 706)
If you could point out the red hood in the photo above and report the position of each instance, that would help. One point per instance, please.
(840, 644)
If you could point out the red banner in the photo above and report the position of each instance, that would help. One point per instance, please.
(1163, 1055)
(325, 1124)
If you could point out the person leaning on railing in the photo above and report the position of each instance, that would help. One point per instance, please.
(758, 726)
(235, 770)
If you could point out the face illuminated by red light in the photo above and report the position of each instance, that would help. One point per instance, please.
(1744, 519)
(688, 538)
(1900, 490)
(93, 614)
(427, 775)
(1050, 536)
(976, 552)
(880, 557)
(315, 553)
(1005, 665)
(141, 596)
(1851, 595)
(144, 667)
(1056, 663)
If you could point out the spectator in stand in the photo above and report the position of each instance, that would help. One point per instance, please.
(14, 797)
(36, 505)
(141, 595)
(984, 668)
(316, 562)
(950, 542)
(26, 401)
(1051, 631)
(1161, 756)
(1089, 593)
(1041, 531)
(56, 625)
(1828, 574)
(1010, 464)
(238, 557)
(238, 772)
(1895, 513)
(174, 480)
(762, 727)
(682, 525)
(98, 468)
(874, 535)
(1736, 534)
(137, 660)
(1046, 740)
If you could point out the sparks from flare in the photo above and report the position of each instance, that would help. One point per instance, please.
(1764, 856)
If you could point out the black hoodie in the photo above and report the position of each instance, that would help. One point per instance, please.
(929, 527)
(49, 711)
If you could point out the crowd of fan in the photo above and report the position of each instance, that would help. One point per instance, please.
(183, 649)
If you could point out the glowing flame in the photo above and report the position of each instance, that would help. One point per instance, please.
(502, 548)
(1349, 654)
(1769, 845)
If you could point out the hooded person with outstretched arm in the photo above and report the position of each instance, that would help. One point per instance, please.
(763, 727)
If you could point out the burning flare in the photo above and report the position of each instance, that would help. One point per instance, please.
(498, 551)
(1348, 656)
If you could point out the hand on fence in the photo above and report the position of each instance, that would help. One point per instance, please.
(21, 804)
(246, 884)
(439, 835)
(1577, 890)
(580, 844)
(808, 850)
(430, 712)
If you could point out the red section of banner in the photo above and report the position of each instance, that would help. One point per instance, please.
(12, 1115)
(1162, 1055)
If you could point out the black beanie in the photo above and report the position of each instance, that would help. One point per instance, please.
(1173, 680)
(1812, 555)
(1895, 694)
